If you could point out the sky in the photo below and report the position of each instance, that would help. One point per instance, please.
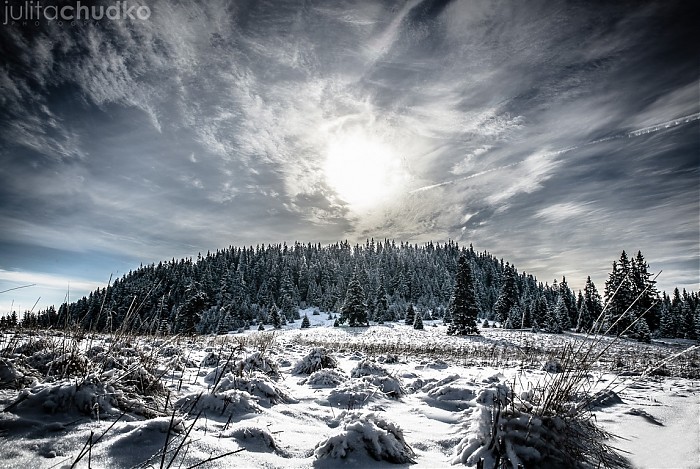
(552, 134)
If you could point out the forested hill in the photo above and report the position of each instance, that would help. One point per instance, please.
(238, 287)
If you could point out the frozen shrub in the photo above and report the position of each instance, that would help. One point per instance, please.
(256, 384)
(552, 366)
(368, 368)
(254, 438)
(353, 394)
(317, 359)
(90, 397)
(226, 403)
(11, 377)
(370, 434)
(257, 362)
(210, 359)
(326, 378)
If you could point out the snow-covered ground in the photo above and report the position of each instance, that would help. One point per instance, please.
(320, 397)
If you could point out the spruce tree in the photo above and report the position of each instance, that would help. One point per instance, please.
(619, 294)
(418, 321)
(354, 310)
(275, 317)
(561, 313)
(508, 296)
(410, 315)
(464, 305)
(642, 332)
(305, 323)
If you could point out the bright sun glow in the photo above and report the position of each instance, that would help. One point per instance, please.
(363, 171)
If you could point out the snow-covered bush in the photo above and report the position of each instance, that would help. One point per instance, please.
(256, 384)
(257, 362)
(90, 397)
(326, 378)
(226, 403)
(370, 434)
(353, 394)
(255, 438)
(375, 374)
(453, 396)
(317, 359)
(499, 429)
(11, 377)
(210, 359)
(368, 368)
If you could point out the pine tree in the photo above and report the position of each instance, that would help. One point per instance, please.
(354, 310)
(189, 314)
(551, 324)
(464, 305)
(619, 295)
(561, 313)
(642, 332)
(275, 317)
(485, 324)
(305, 323)
(508, 296)
(410, 315)
(381, 306)
(418, 321)
(644, 291)
(594, 307)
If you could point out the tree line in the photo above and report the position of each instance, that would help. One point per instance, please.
(374, 282)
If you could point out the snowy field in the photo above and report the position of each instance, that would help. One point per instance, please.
(383, 396)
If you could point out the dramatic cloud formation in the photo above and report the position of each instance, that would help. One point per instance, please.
(553, 134)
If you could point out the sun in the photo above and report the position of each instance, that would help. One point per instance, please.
(363, 171)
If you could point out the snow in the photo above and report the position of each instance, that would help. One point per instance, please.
(328, 397)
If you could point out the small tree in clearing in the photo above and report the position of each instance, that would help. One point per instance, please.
(275, 317)
(354, 310)
(305, 323)
(410, 315)
(464, 305)
(418, 321)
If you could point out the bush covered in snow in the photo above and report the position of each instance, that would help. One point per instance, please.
(317, 359)
(368, 368)
(257, 362)
(226, 403)
(499, 429)
(256, 384)
(253, 438)
(326, 378)
(90, 397)
(367, 433)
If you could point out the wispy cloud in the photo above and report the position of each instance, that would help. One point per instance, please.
(210, 124)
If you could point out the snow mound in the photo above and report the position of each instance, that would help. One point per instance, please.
(210, 359)
(432, 384)
(499, 430)
(326, 378)
(368, 368)
(227, 403)
(370, 434)
(253, 438)
(552, 366)
(389, 385)
(90, 397)
(454, 396)
(257, 384)
(353, 394)
(257, 362)
(11, 377)
(319, 358)
(604, 398)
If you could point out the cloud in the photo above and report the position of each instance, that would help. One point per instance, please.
(210, 125)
